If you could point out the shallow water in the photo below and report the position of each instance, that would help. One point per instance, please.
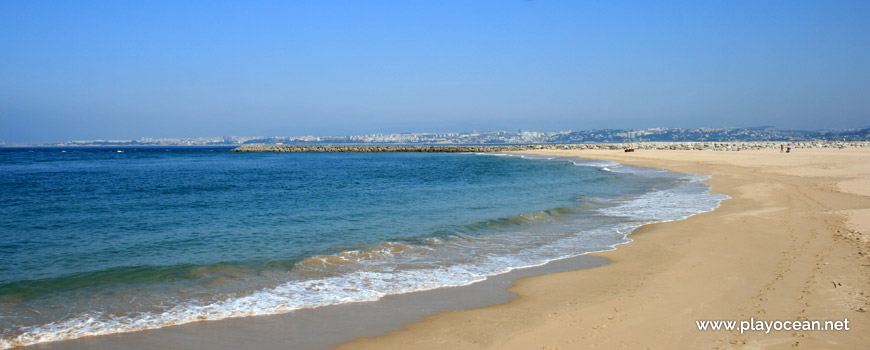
(97, 242)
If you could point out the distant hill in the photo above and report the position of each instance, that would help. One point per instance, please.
(765, 133)
(715, 134)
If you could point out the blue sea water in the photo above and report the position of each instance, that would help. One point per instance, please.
(99, 241)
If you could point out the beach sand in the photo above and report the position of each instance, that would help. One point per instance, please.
(790, 244)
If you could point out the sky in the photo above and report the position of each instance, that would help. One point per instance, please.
(82, 70)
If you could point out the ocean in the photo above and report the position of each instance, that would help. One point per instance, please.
(110, 240)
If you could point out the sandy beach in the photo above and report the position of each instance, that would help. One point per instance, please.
(791, 244)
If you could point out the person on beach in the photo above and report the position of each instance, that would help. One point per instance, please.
(788, 149)
(780, 148)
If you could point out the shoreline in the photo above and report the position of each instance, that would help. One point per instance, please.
(779, 249)
(495, 287)
(554, 308)
(323, 327)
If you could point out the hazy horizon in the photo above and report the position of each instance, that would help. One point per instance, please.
(110, 70)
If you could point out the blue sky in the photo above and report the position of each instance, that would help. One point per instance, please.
(129, 69)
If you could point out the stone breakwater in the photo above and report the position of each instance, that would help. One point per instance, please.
(686, 146)
(391, 148)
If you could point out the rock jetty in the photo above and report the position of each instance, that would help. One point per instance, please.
(388, 148)
(687, 146)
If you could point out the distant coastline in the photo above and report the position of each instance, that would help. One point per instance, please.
(497, 138)
(715, 146)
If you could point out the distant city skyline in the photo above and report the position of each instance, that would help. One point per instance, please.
(90, 70)
(496, 137)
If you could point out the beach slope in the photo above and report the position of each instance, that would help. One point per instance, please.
(790, 244)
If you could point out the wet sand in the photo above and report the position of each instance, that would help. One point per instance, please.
(791, 244)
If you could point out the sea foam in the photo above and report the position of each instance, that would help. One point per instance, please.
(435, 263)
